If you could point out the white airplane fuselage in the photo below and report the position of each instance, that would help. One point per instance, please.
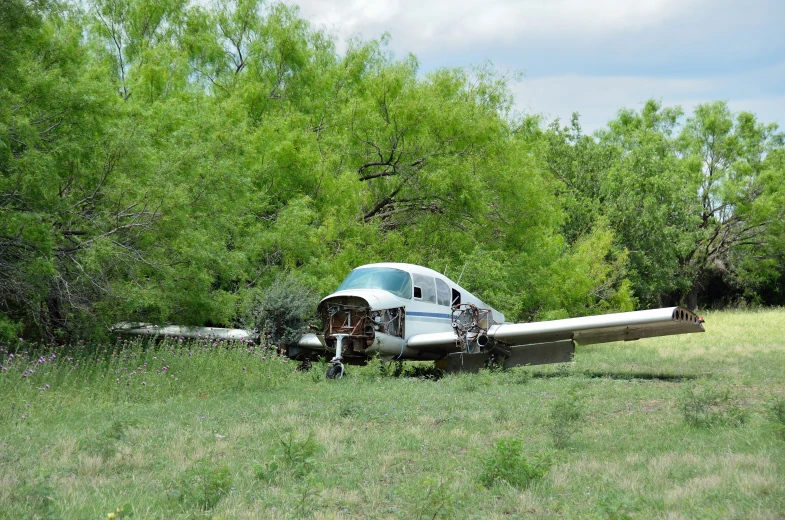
(380, 306)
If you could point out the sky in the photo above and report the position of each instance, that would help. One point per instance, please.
(593, 57)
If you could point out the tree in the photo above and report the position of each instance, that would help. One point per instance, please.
(689, 200)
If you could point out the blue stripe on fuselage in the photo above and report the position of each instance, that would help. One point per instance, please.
(429, 315)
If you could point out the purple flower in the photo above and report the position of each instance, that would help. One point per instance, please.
(47, 386)
(243, 368)
(144, 383)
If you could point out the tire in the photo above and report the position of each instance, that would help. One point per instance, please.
(335, 372)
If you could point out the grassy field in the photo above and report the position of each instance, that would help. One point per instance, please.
(681, 427)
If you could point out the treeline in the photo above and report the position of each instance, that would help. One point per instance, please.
(168, 162)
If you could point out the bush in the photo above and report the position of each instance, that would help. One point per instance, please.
(296, 456)
(564, 418)
(704, 407)
(203, 485)
(284, 312)
(506, 463)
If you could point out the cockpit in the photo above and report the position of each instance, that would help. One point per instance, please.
(387, 279)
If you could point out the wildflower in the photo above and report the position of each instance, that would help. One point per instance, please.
(110, 516)
(144, 383)
(47, 386)
(243, 368)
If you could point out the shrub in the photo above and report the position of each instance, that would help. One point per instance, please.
(285, 311)
(564, 418)
(203, 485)
(704, 407)
(297, 454)
(506, 463)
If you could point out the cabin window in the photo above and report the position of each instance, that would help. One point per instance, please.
(442, 293)
(456, 298)
(426, 286)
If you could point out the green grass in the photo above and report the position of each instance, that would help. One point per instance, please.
(238, 433)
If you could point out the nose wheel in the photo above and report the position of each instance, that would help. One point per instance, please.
(336, 371)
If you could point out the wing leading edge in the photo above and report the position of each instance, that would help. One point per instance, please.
(588, 330)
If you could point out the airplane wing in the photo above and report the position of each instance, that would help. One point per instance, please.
(552, 341)
(623, 326)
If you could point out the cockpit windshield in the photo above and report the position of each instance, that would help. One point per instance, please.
(385, 278)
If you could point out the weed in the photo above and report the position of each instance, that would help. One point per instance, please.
(777, 416)
(349, 410)
(424, 371)
(704, 406)
(519, 375)
(432, 498)
(472, 382)
(297, 454)
(203, 485)
(307, 492)
(37, 499)
(267, 471)
(318, 370)
(506, 463)
(615, 507)
(125, 511)
(105, 444)
(564, 418)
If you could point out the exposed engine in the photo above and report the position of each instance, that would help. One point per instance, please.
(360, 327)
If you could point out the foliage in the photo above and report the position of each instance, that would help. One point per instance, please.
(173, 162)
(565, 417)
(692, 201)
(285, 311)
(203, 485)
(506, 464)
(706, 406)
(297, 454)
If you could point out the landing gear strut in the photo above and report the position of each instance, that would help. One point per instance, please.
(337, 371)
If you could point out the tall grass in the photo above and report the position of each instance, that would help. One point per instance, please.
(232, 430)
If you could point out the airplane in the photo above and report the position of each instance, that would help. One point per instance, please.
(398, 311)
(408, 312)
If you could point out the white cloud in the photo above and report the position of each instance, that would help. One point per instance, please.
(589, 56)
(421, 26)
